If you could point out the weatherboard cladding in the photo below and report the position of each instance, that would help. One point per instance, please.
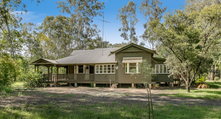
(89, 56)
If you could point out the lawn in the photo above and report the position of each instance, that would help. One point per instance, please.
(93, 103)
(214, 84)
(214, 92)
(107, 111)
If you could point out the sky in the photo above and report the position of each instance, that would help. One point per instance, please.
(37, 13)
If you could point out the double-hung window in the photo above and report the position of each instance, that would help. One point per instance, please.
(131, 64)
(161, 69)
(105, 69)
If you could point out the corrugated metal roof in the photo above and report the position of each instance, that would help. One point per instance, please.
(89, 56)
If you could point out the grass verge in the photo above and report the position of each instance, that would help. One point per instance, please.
(214, 84)
(107, 111)
(214, 94)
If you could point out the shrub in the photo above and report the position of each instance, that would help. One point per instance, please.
(33, 79)
(5, 89)
(92, 85)
(7, 70)
(216, 78)
(201, 80)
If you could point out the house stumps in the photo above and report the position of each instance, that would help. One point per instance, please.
(94, 85)
(132, 85)
(75, 84)
(150, 86)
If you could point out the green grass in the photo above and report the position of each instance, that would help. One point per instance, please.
(214, 94)
(107, 111)
(10, 89)
(17, 85)
(101, 110)
(214, 84)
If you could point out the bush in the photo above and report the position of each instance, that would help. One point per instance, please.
(7, 70)
(92, 85)
(33, 79)
(201, 80)
(5, 89)
(216, 78)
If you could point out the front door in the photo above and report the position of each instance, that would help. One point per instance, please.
(87, 71)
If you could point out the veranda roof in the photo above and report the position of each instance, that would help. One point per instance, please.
(43, 61)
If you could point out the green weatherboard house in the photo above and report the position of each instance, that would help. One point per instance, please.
(105, 66)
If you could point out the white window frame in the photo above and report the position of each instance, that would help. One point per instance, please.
(128, 67)
(160, 67)
(106, 69)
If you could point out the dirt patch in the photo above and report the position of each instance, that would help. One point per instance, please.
(87, 96)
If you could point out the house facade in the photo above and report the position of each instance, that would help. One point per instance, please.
(105, 66)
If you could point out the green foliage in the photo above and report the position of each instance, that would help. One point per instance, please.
(127, 16)
(6, 89)
(216, 78)
(152, 11)
(118, 45)
(201, 80)
(82, 13)
(7, 70)
(190, 39)
(92, 85)
(146, 72)
(33, 79)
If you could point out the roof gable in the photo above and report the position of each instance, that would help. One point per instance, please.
(44, 61)
(133, 48)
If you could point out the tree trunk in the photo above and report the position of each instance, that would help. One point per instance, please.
(188, 82)
(215, 71)
(220, 73)
(187, 86)
(10, 40)
(212, 72)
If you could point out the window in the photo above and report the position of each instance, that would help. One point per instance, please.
(108, 68)
(105, 69)
(101, 69)
(132, 68)
(113, 69)
(80, 69)
(97, 69)
(131, 64)
(161, 69)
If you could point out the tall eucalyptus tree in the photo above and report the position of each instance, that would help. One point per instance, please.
(152, 11)
(82, 13)
(60, 33)
(127, 16)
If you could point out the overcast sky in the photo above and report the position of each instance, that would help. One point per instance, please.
(37, 13)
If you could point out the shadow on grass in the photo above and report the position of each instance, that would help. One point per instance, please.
(214, 84)
(198, 94)
(38, 104)
(107, 111)
(208, 91)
